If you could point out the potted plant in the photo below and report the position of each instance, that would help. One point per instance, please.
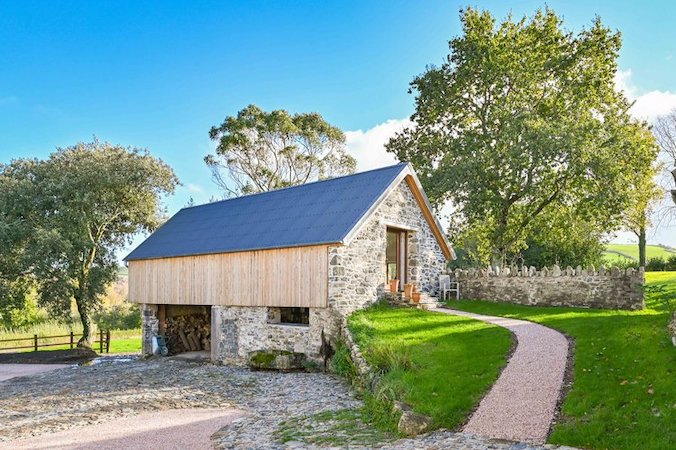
(394, 285)
(409, 288)
(415, 296)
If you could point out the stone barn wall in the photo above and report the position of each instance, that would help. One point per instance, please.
(357, 271)
(587, 288)
(239, 331)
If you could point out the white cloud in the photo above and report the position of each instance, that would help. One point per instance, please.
(649, 105)
(194, 188)
(368, 147)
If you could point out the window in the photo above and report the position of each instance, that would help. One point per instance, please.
(289, 316)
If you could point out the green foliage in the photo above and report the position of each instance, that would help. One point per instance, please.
(388, 356)
(118, 317)
(449, 362)
(63, 219)
(523, 121)
(260, 151)
(623, 391)
(341, 363)
(659, 264)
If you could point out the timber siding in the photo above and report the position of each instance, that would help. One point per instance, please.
(295, 276)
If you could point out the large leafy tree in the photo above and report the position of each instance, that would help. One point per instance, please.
(261, 151)
(520, 120)
(63, 219)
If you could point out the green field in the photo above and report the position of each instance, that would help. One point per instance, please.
(624, 383)
(122, 341)
(619, 253)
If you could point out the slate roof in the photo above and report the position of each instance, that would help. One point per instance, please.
(322, 212)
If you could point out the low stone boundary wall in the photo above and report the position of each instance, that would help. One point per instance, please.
(588, 288)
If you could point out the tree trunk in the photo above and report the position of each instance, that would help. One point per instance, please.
(86, 339)
(641, 247)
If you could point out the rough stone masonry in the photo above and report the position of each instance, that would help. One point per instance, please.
(587, 288)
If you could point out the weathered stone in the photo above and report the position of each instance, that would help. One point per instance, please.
(277, 360)
(556, 271)
(362, 260)
(400, 407)
(412, 424)
(617, 290)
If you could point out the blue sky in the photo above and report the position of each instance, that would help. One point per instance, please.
(160, 74)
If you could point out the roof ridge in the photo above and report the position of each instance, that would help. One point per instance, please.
(295, 186)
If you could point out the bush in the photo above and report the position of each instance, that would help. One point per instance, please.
(656, 264)
(119, 317)
(624, 263)
(671, 263)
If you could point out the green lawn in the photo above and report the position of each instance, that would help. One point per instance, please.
(624, 387)
(441, 365)
(621, 252)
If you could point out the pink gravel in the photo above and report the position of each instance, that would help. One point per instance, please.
(179, 429)
(521, 405)
(8, 371)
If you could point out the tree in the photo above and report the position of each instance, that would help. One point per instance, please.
(637, 218)
(261, 151)
(64, 218)
(665, 132)
(522, 119)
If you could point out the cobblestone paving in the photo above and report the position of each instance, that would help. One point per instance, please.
(80, 396)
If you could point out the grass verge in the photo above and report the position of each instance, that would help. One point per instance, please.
(624, 386)
(441, 365)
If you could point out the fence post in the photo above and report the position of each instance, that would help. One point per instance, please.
(108, 341)
(35, 342)
(71, 340)
(100, 341)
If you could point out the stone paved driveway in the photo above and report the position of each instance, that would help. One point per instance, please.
(82, 397)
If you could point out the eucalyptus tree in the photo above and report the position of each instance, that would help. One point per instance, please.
(260, 151)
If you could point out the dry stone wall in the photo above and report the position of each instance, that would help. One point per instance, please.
(357, 271)
(587, 288)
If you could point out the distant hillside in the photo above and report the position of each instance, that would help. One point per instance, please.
(622, 252)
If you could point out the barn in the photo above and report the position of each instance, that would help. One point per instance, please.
(279, 271)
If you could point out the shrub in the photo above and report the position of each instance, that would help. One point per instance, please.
(655, 264)
(671, 263)
(624, 263)
(119, 317)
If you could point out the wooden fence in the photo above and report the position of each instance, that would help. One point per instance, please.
(103, 341)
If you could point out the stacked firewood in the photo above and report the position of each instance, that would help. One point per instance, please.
(188, 333)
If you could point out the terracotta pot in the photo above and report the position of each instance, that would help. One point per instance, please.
(415, 297)
(394, 285)
(409, 288)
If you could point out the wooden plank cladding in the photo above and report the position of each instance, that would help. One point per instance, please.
(295, 276)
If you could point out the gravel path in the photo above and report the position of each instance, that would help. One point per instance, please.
(8, 371)
(522, 403)
(170, 430)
